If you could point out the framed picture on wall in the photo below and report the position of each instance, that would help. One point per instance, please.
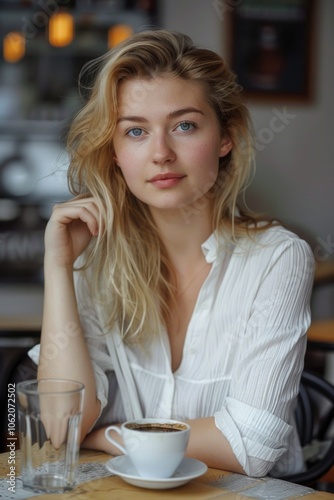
(271, 47)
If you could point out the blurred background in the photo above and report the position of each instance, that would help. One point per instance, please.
(288, 76)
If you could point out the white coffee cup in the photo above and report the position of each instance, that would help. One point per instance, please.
(155, 446)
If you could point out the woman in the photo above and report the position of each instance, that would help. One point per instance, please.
(181, 305)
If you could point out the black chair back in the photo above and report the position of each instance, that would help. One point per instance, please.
(315, 418)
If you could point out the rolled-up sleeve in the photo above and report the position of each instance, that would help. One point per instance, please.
(258, 413)
(257, 437)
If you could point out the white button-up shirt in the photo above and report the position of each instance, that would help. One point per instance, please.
(243, 352)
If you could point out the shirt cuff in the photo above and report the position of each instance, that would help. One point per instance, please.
(258, 438)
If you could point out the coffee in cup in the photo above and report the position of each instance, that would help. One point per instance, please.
(155, 446)
(156, 427)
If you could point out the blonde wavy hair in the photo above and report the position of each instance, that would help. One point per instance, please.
(134, 280)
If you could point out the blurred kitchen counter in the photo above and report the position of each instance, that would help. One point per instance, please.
(21, 307)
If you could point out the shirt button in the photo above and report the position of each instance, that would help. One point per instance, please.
(192, 351)
(205, 305)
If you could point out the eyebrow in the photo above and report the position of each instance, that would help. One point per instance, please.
(173, 114)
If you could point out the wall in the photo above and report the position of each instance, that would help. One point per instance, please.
(295, 176)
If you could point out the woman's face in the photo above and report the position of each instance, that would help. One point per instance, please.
(168, 142)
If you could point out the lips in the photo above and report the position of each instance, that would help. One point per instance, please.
(168, 180)
(162, 177)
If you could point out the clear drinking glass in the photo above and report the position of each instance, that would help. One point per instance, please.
(49, 412)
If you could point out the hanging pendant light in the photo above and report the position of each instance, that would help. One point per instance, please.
(61, 29)
(118, 33)
(14, 47)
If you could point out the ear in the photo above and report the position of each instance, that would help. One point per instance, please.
(225, 146)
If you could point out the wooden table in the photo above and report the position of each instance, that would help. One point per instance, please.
(324, 272)
(321, 334)
(208, 486)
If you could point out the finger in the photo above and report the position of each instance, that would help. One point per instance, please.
(89, 203)
(66, 214)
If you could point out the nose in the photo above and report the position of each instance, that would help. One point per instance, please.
(162, 150)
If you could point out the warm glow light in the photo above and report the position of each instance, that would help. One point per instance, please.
(61, 29)
(118, 33)
(14, 47)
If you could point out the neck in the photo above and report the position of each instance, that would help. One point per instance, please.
(183, 237)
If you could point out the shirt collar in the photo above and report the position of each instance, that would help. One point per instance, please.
(214, 247)
(210, 248)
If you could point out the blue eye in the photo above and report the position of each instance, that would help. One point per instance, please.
(135, 132)
(186, 126)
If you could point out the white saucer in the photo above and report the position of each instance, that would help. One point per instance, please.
(187, 470)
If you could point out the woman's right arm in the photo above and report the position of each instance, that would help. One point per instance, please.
(63, 350)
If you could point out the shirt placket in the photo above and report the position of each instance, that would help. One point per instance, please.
(164, 407)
